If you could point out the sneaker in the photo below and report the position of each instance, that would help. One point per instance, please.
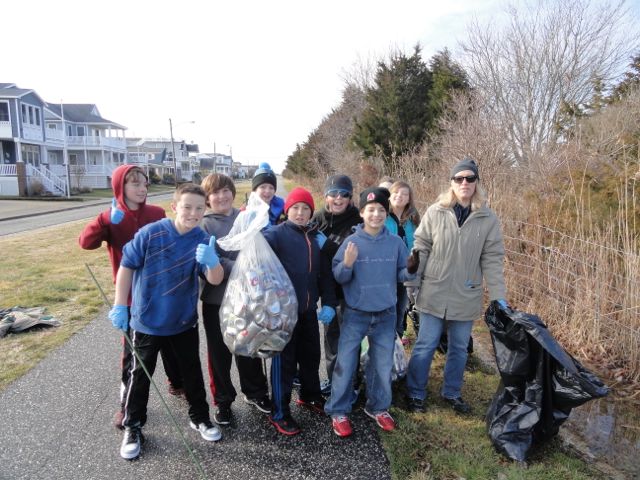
(296, 382)
(286, 425)
(458, 404)
(341, 426)
(176, 391)
(118, 418)
(222, 415)
(383, 419)
(263, 404)
(415, 405)
(207, 430)
(316, 406)
(325, 388)
(131, 443)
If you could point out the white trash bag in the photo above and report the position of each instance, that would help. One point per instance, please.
(260, 309)
(400, 362)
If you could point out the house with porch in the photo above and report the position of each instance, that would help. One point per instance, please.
(54, 148)
(155, 155)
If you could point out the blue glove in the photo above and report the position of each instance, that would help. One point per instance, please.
(503, 303)
(116, 214)
(326, 314)
(206, 254)
(320, 239)
(119, 316)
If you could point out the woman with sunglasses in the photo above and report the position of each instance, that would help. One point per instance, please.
(336, 221)
(460, 245)
(403, 220)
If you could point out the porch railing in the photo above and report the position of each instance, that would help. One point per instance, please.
(8, 170)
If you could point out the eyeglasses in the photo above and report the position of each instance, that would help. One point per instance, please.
(341, 193)
(469, 179)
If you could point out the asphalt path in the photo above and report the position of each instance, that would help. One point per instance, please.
(57, 419)
(57, 424)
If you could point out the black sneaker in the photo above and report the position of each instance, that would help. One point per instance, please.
(222, 415)
(458, 404)
(415, 405)
(325, 388)
(263, 404)
(286, 425)
(131, 443)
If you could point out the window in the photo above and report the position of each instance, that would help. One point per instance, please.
(4, 112)
(31, 120)
(69, 131)
(31, 154)
(24, 113)
(37, 111)
(80, 131)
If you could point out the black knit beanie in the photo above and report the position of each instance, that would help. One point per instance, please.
(375, 195)
(465, 164)
(264, 174)
(338, 182)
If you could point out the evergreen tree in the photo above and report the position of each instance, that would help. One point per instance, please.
(447, 76)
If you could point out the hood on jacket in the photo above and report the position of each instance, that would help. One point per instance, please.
(117, 184)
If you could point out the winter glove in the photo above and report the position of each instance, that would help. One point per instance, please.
(116, 214)
(119, 316)
(206, 254)
(326, 314)
(413, 262)
(503, 303)
(320, 239)
(412, 293)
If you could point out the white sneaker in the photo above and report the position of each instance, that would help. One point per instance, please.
(207, 430)
(131, 443)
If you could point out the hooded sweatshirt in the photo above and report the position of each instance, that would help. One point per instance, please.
(102, 230)
(370, 284)
(219, 225)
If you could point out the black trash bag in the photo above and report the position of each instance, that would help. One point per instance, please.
(540, 382)
(412, 314)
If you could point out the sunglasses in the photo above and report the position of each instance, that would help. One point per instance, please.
(469, 179)
(341, 193)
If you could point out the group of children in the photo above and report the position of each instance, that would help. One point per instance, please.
(160, 266)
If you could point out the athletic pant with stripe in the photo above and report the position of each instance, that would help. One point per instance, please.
(303, 350)
(253, 382)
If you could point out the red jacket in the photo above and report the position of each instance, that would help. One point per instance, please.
(101, 230)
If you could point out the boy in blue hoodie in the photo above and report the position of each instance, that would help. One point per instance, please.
(161, 267)
(368, 265)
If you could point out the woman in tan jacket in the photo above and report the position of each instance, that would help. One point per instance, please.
(460, 245)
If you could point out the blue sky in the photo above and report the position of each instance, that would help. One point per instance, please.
(256, 77)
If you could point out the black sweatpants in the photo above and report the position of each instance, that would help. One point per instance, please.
(253, 382)
(169, 361)
(303, 350)
(186, 346)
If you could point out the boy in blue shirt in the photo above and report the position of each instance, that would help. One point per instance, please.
(368, 265)
(163, 263)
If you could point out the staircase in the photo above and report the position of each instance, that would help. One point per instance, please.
(52, 182)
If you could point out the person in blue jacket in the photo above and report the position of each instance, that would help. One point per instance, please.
(161, 267)
(403, 220)
(265, 184)
(368, 265)
(297, 245)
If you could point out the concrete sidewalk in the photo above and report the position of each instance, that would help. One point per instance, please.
(57, 425)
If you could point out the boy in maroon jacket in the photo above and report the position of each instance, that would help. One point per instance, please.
(116, 226)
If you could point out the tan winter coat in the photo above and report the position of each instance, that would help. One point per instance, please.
(455, 260)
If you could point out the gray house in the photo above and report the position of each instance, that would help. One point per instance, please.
(54, 148)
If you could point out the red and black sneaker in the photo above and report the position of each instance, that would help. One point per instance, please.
(316, 406)
(341, 426)
(286, 425)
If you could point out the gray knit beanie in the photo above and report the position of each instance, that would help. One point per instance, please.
(465, 164)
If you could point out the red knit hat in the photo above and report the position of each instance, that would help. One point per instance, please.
(296, 195)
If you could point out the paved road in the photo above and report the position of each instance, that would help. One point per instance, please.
(22, 215)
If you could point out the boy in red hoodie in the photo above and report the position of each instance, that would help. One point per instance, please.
(116, 226)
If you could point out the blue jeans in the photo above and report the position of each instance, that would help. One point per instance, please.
(380, 328)
(458, 332)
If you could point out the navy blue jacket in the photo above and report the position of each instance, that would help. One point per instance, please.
(309, 270)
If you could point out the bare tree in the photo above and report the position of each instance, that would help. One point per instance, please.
(546, 53)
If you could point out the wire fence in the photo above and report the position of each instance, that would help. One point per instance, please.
(585, 291)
